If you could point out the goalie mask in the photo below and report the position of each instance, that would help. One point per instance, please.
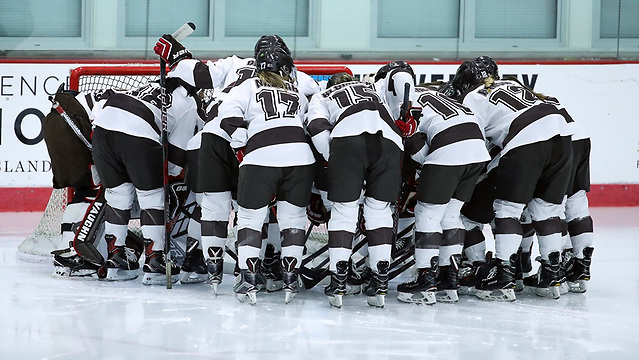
(269, 40)
(274, 59)
(384, 70)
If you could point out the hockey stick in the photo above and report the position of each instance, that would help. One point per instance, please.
(180, 34)
(56, 106)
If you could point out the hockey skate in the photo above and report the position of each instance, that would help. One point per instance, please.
(423, 288)
(566, 260)
(523, 267)
(547, 280)
(289, 278)
(155, 268)
(499, 282)
(193, 269)
(357, 278)
(448, 281)
(470, 273)
(122, 262)
(378, 287)
(215, 267)
(578, 272)
(245, 286)
(271, 270)
(337, 288)
(67, 263)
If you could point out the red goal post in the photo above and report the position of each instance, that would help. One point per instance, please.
(47, 235)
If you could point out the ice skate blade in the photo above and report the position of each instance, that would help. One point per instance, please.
(64, 272)
(548, 292)
(447, 296)
(564, 288)
(377, 301)
(497, 295)
(519, 285)
(250, 297)
(335, 301)
(467, 290)
(191, 277)
(274, 285)
(579, 286)
(158, 279)
(114, 274)
(214, 287)
(288, 296)
(420, 298)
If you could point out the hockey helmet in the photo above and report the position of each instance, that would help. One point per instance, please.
(384, 70)
(448, 90)
(339, 78)
(267, 40)
(274, 58)
(468, 74)
(487, 63)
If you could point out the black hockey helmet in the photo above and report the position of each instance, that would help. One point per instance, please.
(274, 58)
(339, 78)
(487, 63)
(468, 74)
(384, 70)
(267, 40)
(448, 90)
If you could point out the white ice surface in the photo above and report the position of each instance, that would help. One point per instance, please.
(42, 317)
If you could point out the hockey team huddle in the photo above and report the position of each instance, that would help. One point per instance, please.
(272, 142)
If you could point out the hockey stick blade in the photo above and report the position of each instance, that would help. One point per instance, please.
(184, 31)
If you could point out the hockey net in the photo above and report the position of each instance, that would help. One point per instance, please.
(47, 235)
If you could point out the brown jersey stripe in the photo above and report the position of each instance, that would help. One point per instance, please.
(455, 133)
(371, 106)
(276, 136)
(318, 125)
(133, 106)
(230, 124)
(177, 156)
(528, 117)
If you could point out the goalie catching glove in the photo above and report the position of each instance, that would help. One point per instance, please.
(171, 51)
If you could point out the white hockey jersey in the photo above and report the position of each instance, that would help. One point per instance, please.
(268, 121)
(232, 71)
(513, 116)
(138, 113)
(349, 109)
(447, 134)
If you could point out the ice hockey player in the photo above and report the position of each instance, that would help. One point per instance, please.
(577, 244)
(532, 169)
(67, 133)
(354, 130)
(128, 156)
(450, 147)
(264, 118)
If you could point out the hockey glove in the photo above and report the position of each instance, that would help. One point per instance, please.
(315, 211)
(407, 124)
(408, 127)
(171, 51)
(239, 153)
